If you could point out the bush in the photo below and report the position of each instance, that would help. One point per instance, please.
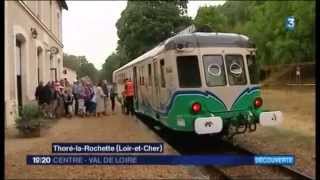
(29, 119)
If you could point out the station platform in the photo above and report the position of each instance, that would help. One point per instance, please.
(106, 129)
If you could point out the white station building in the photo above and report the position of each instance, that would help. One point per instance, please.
(33, 50)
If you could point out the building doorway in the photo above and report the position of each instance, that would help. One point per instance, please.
(19, 72)
(53, 72)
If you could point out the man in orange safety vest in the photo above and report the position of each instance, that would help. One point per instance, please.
(129, 93)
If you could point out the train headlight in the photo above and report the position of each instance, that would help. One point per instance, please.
(258, 102)
(196, 107)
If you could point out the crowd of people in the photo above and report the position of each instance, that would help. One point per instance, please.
(82, 98)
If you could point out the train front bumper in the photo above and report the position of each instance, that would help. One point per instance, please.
(272, 118)
(208, 125)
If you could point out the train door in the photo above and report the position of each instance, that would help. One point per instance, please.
(135, 82)
(163, 87)
(156, 89)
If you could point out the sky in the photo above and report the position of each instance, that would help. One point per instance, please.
(89, 27)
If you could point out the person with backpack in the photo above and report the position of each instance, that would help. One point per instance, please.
(46, 97)
(39, 94)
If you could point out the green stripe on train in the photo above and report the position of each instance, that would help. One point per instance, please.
(181, 109)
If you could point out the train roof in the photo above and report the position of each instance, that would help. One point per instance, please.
(210, 40)
(196, 39)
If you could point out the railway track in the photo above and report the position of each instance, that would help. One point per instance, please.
(189, 143)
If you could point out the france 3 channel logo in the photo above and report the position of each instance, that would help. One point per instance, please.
(290, 23)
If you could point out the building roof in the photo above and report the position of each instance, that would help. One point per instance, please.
(63, 4)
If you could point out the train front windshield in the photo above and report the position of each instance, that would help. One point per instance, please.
(236, 70)
(214, 70)
(217, 69)
(233, 66)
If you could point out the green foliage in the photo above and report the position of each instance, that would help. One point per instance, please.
(73, 62)
(111, 64)
(81, 65)
(88, 69)
(142, 26)
(264, 22)
(145, 24)
(209, 16)
(29, 119)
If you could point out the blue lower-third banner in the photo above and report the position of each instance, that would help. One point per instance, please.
(160, 160)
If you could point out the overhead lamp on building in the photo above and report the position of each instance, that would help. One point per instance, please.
(53, 50)
(34, 33)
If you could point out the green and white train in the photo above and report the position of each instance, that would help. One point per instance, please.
(205, 83)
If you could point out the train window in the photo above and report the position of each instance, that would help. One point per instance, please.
(214, 70)
(139, 76)
(142, 75)
(163, 79)
(149, 75)
(253, 69)
(188, 71)
(236, 70)
(155, 74)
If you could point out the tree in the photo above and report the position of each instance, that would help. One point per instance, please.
(264, 23)
(143, 25)
(88, 69)
(81, 65)
(208, 18)
(111, 64)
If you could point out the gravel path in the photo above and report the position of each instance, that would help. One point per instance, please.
(112, 128)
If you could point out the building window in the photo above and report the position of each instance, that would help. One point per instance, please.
(50, 15)
(39, 9)
(58, 25)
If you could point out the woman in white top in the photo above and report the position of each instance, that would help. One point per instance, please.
(100, 100)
